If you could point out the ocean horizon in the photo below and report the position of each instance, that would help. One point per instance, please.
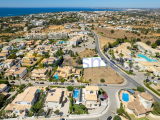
(7, 12)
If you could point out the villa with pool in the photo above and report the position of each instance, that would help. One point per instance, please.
(87, 96)
(137, 103)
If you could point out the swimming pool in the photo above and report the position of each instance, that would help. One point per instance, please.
(62, 42)
(56, 76)
(38, 90)
(125, 97)
(145, 57)
(76, 92)
(1, 64)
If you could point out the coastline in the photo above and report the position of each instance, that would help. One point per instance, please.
(9, 12)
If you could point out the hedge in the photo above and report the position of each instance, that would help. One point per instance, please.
(152, 89)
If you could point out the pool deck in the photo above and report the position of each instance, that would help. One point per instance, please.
(131, 98)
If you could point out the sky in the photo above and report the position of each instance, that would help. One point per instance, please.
(82, 3)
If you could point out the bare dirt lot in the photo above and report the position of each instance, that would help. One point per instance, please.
(95, 74)
(123, 33)
(71, 61)
(87, 53)
(104, 41)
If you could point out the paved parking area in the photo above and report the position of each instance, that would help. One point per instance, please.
(88, 45)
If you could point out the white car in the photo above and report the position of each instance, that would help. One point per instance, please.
(51, 83)
(154, 82)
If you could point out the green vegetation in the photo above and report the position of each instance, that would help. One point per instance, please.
(116, 117)
(134, 118)
(102, 80)
(36, 108)
(140, 89)
(121, 111)
(156, 108)
(70, 88)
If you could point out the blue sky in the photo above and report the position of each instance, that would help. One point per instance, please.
(81, 3)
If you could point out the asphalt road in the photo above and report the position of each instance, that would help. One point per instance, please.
(117, 69)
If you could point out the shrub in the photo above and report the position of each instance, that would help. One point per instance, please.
(117, 117)
(70, 88)
(140, 89)
(56, 112)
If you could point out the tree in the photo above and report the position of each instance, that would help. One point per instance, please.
(112, 31)
(56, 112)
(148, 42)
(140, 89)
(79, 27)
(156, 108)
(82, 107)
(1, 99)
(102, 80)
(157, 42)
(138, 39)
(116, 117)
(148, 74)
(90, 81)
(157, 54)
(154, 45)
(10, 77)
(70, 88)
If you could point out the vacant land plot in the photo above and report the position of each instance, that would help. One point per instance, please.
(87, 53)
(95, 74)
(122, 33)
(72, 61)
(104, 41)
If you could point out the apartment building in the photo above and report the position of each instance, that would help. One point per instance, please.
(123, 49)
(75, 40)
(58, 35)
(23, 101)
(30, 36)
(145, 48)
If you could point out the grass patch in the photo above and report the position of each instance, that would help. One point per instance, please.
(54, 86)
(133, 117)
(78, 110)
(12, 90)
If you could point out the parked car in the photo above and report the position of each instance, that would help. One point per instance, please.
(66, 83)
(56, 83)
(62, 119)
(41, 82)
(104, 84)
(99, 85)
(51, 83)
(109, 118)
(27, 80)
(61, 83)
(71, 84)
(154, 82)
(36, 83)
(12, 82)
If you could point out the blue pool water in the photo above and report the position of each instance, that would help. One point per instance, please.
(62, 42)
(76, 92)
(38, 90)
(56, 76)
(1, 64)
(125, 97)
(145, 57)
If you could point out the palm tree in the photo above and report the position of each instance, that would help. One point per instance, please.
(148, 74)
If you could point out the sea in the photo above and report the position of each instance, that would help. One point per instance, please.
(7, 12)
